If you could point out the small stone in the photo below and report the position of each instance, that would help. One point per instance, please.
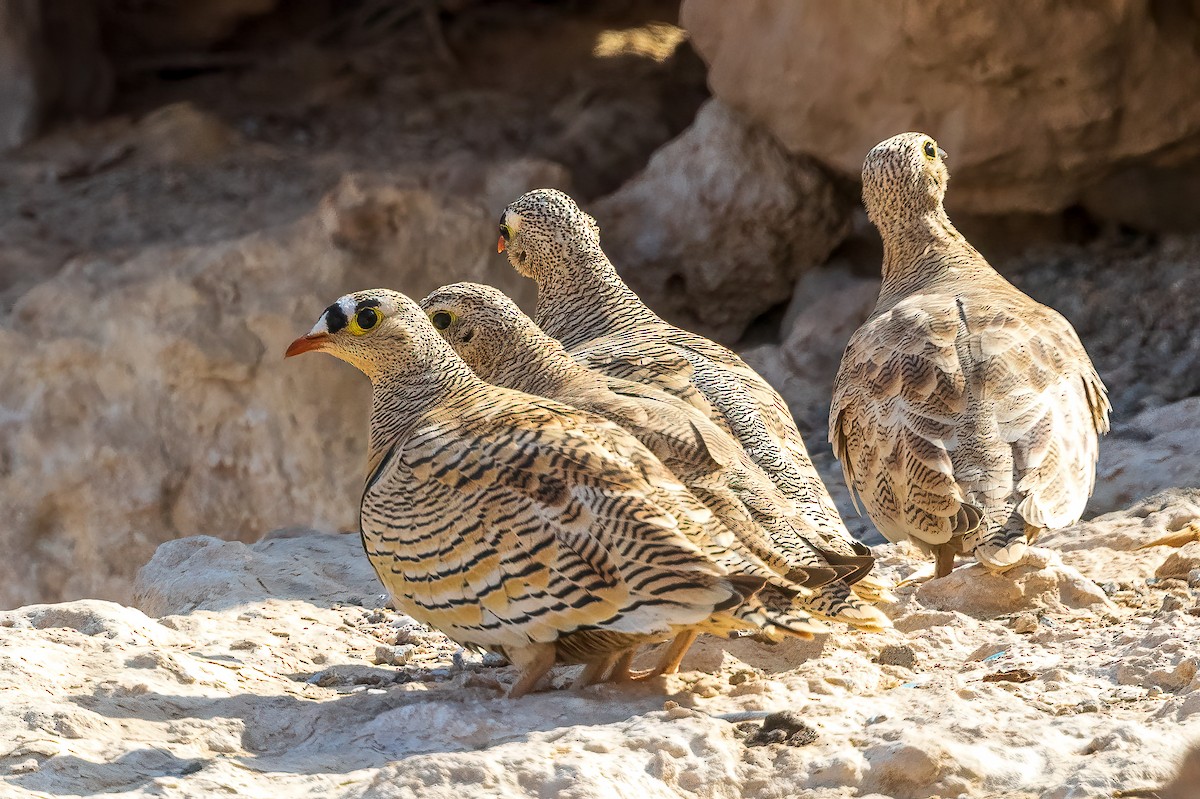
(786, 726)
(739, 677)
(1172, 603)
(1025, 623)
(27, 766)
(243, 644)
(494, 660)
(388, 655)
(897, 655)
(325, 679)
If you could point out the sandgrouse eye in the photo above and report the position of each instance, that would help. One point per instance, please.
(930, 150)
(441, 320)
(367, 318)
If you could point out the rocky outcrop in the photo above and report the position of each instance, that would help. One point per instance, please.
(1041, 106)
(275, 669)
(719, 225)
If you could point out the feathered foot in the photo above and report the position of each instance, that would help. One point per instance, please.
(837, 602)
(1003, 549)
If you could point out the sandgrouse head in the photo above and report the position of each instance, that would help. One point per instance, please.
(378, 331)
(904, 179)
(543, 229)
(478, 321)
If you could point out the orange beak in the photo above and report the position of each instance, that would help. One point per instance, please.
(500, 245)
(313, 342)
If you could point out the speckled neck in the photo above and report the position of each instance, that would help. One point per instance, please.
(587, 299)
(399, 398)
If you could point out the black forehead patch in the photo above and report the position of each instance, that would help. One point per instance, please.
(335, 318)
(367, 303)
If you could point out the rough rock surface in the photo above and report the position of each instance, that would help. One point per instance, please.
(718, 226)
(275, 669)
(1040, 106)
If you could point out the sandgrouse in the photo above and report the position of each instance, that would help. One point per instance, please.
(517, 524)
(504, 346)
(585, 304)
(965, 414)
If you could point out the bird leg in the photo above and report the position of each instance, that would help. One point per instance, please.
(534, 662)
(944, 555)
(594, 671)
(672, 656)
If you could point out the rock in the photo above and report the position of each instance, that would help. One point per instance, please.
(785, 727)
(280, 655)
(1179, 564)
(1152, 450)
(51, 65)
(180, 133)
(716, 229)
(1038, 111)
(382, 224)
(897, 655)
(206, 573)
(1042, 581)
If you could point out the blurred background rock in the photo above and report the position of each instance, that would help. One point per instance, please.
(186, 184)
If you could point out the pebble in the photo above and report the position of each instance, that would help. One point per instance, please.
(386, 655)
(785, 727)
(1172, 603)
(1026, 623)
(897, 655)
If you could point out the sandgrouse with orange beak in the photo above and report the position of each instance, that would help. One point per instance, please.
(503, 346)
(965, 414)
(517, 524)
(585, 304)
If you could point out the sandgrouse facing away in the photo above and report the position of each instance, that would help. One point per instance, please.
(585, 304)
(504, 346)
(517, 524)
(965, 414)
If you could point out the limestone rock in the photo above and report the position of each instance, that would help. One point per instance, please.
(278, 671)
(1180, 564)
(719, 225)
(1042, 581)
(1040, 106)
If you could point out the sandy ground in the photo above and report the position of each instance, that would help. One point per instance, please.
(275, 669)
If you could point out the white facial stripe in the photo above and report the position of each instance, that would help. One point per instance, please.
(319, 327)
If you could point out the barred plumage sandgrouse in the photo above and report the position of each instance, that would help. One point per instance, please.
(965, 414)
(504, 346)
(585, 304)
(517, 524)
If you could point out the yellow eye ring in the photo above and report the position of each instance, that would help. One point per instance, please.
(364, 321)
(441, 319)
(930, 149)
